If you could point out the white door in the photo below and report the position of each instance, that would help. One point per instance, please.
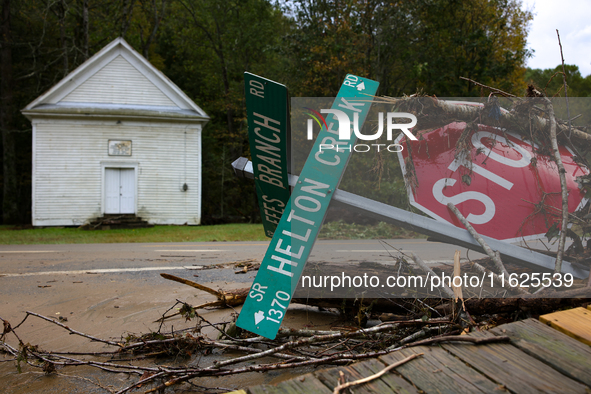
(119, 190)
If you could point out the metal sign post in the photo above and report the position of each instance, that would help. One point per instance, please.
(442, 231)
(298, 228)
(268, 132)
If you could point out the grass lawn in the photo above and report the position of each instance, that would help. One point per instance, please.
(9, 235)
(50, 235)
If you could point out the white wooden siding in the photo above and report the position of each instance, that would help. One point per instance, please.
(119, 83)
(69, 158)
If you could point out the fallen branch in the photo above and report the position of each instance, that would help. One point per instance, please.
(192, 284)
(494, 90)
(565, 85)
(74, 331)
(495, 258)
(413, 337)
(309, 340)
(448, 292)
(442, 112)
(256, 351)
(225, 298)
(498, 280)
(563, 187)
(344, 386)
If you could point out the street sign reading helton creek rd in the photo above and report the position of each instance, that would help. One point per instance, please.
(292, 242)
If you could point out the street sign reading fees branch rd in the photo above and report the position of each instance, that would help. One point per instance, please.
(268, 133)
(304, 213)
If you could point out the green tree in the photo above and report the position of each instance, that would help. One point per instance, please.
(407, 45)
(207, 46)
(204, 46)
(550, 81)
(41, 43)
(484, 40)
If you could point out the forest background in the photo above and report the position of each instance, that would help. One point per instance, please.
(204, 46)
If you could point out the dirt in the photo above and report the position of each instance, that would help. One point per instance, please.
(109, 308)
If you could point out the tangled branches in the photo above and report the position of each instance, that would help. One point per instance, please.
(291, 349)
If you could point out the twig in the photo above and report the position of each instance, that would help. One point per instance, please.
(310, 340)
(74, 331)
(563, 187)
(494, 90)
(88, 380)
(161, 320)
(192, 284)
(142, 381)
(253, 350)
(478, 238)
(288, 332)
(448, 292)
(10, 349)
(343, 386)
(109, 367)
(413, 337)
(339, 358)
(498, 280)
(457, 272)
(565, 86)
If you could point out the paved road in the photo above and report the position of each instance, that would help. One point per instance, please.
(107, 290)
(117, 285)
(108, 286)
(38, 260)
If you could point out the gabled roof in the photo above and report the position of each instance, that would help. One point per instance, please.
(116, 81)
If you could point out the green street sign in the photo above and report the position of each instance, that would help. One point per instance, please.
(298, 228)
(268, 133)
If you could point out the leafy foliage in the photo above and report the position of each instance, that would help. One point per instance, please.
(204, 46)
(550, 81)
(407, 46)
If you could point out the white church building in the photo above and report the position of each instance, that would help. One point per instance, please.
(116, 136)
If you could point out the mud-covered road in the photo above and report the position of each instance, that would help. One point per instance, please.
(108, 290)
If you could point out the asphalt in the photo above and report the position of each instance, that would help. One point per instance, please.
(110, 290)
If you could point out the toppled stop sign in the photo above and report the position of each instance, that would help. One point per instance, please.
(504, 189)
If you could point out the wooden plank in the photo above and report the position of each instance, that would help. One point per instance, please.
(304, 384)
(563, 353)
(574, 322)
(437, 371)
(393, 379)
(330, 377)
(512, 368)
(386, 384)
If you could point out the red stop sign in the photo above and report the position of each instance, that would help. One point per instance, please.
(496, 185)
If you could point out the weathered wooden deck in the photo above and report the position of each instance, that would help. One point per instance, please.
(539, 359)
